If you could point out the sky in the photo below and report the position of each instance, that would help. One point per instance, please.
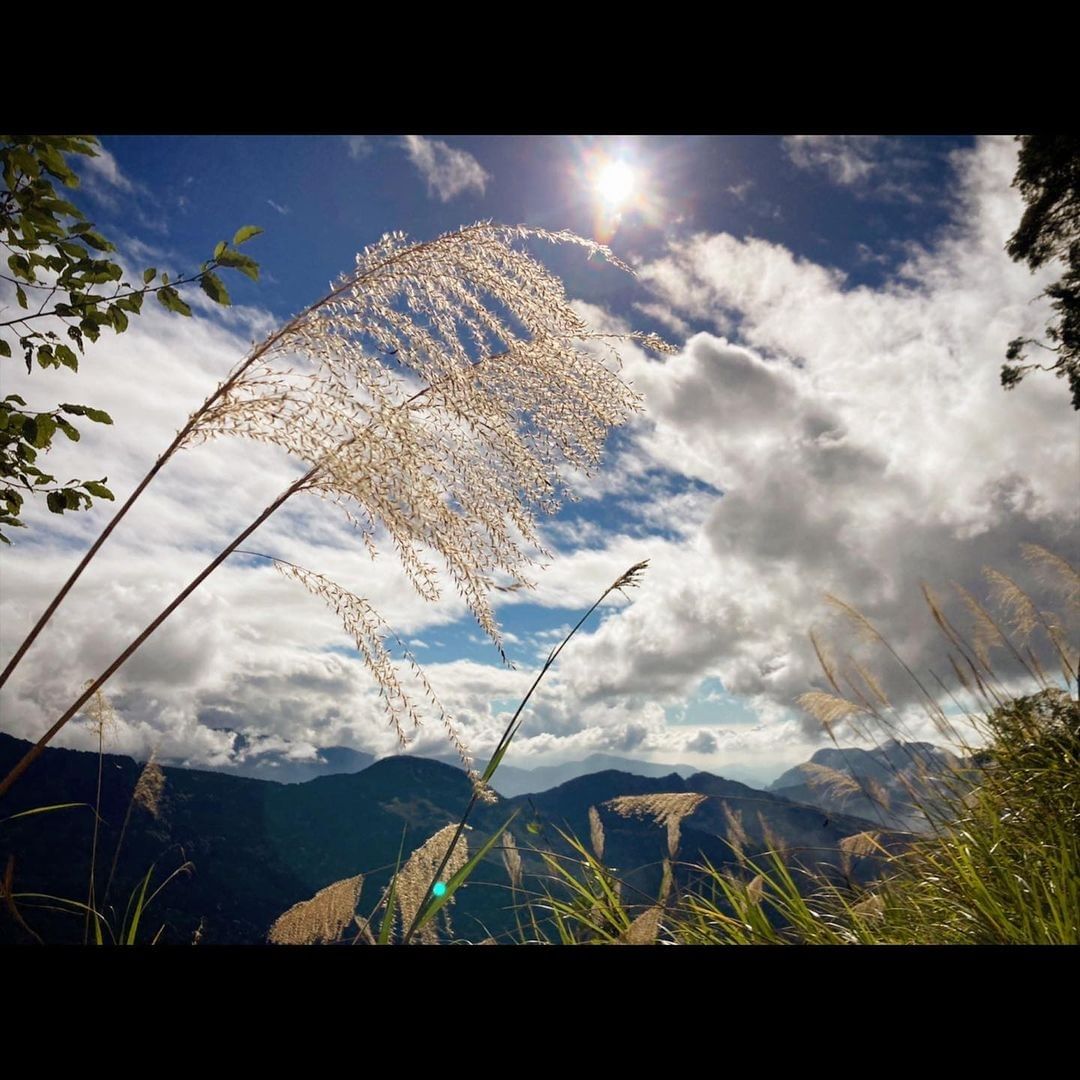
(829, 422)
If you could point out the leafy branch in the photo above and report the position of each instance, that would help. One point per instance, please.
(53, 249)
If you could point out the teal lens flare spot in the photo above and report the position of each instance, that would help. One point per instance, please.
(438, 889)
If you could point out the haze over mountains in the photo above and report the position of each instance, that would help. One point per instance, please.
(258, 846)
(272, 764)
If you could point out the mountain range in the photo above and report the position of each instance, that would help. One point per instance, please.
(892, 784)
(259, 846)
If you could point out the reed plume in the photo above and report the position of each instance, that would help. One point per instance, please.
(414, 880)
(320, 920)
(667, 810)
(437, 394)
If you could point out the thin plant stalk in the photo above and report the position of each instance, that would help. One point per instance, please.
(36, 750)
(626, 580)
(91, 898)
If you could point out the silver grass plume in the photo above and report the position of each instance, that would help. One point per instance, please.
(149, 787)
(414, 878)
(321, 919)
(101, 715)
(511, 857)
(437, 395)
(368, 629)
(596, 832)
(645, 929)
(667, 810)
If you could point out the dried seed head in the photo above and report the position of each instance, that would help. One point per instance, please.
(835, 784)
(864, 843)
(149, 787)
(596, 832)
(414, 878)
(755, 891)
(322, 918)
(644, 929)
(665, 809)
(736, 831)
(101, 714)
(1061, 573)
(437, 394)
(370, 632)
(827, 709)
(1019, 607)
(871, 909)
(512, 860)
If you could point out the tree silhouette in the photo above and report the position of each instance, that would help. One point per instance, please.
(1048, 176)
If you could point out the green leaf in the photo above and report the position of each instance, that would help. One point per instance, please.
(29, 430)
(119, 319)
(149, 275)
(73, 251)
(139, 908)
(19, 265)
(99, 416)
(212, 286)
(20, 296)
(44, 429)
(5, 348)
(56, 502)
(244, 234)
(72, 498)
(96, 241)
(67, 357)
(17, 399)
(234, 260)
(219, 247)
(169, 298)
(97, 488)
(43, 810)
(69, 429)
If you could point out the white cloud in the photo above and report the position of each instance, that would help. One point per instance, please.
(359, 146)
(448, 172)
(105, 169)
(859, 437)
(862, 441)
(887, 168)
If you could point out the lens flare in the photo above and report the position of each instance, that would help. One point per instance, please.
(616, 183)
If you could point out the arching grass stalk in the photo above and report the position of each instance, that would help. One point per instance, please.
(628, 580)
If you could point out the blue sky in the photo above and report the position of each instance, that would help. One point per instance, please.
(830, 422)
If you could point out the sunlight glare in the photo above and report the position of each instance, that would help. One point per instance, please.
(615, 183)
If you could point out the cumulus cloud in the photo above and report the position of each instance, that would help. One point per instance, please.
(448, 172)
(852, 440)
(704, 742)
(862, 444)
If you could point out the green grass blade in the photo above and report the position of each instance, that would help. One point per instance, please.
(41, 810)
(137, 914)
(387, 925)
(438, 902)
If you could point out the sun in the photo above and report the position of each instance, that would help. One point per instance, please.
(616, 183)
